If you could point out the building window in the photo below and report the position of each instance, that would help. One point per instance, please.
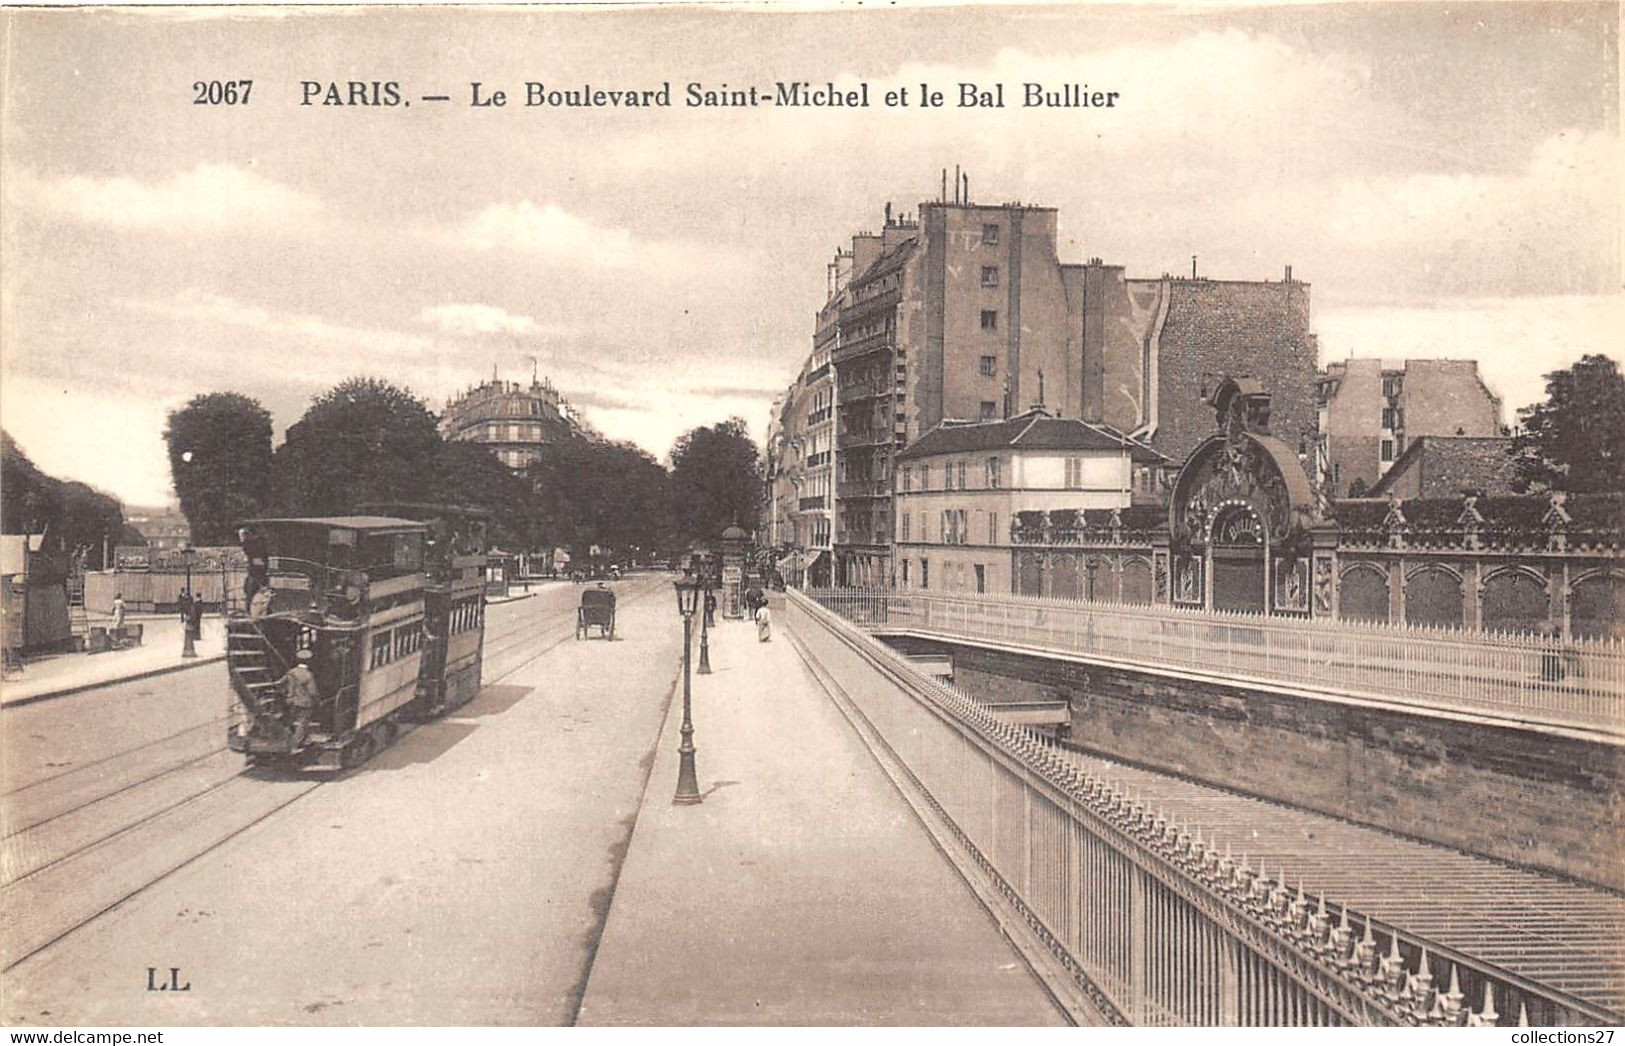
(992, 528)
(1399, 444)
(905, 573)
(990, 275)
(905, 526)
(948, 527)
(961, 475)
(962, 531)
(990, 319)
(925, 477)
(1393, 384)
(1387, 450)
(981, 578)
(908, 478)
(990, 234)
(987, 409)
(990, 366)
(994, 469)
(1074, 473)
(925, 573)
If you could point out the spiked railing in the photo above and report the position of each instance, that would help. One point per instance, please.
(1154, 924)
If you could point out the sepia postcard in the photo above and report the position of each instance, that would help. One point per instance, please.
(824, 514)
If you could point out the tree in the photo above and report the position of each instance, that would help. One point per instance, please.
(1575, 441)
(716, 480)
(364, 440)
(591, 492)
(220, 461)
(68, 516)
(471, 475)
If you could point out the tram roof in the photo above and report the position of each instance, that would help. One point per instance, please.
(417, 508)
(375, 524)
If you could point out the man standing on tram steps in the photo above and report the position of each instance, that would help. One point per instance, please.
(299, 687)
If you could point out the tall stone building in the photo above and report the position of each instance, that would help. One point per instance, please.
(966, 313)
(1370, 413)
(514, 420)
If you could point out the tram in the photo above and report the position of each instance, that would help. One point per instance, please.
(355, 624)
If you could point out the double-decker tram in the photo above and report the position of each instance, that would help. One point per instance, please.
(455, 555)
(354, 624)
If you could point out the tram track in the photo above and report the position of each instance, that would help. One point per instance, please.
(62, 802)
(43, 894)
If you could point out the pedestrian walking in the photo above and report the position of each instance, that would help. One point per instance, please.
(116, 633)
(764, 623)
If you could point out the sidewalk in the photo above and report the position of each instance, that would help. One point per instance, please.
(802, 891)
(160, 651)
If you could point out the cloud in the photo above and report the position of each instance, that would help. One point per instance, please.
(195, 305)
(1551, 226)
(475, 319)
(550, 233)
(212, 198)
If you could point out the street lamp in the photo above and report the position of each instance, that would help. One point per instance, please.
(707, 585)
(688, 789)
(187, 649)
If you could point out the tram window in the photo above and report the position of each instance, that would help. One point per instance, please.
(380, 650)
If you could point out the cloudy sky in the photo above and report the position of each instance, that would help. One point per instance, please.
(1445, 176)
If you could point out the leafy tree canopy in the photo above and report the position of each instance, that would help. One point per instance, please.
(71, 516)
(364, 440)
(1575, 440)
(716, 480)
(220, 461)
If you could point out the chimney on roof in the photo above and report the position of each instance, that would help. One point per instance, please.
(942, 196)
(956, 183)
(1193, 266)
(967, 188)
(1289, 274)
(888, 214)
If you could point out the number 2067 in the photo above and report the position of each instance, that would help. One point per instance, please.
(222, 92)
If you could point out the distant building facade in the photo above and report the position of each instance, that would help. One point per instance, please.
(164, 529)
(516, 421)
(964, 488)
(1369, 414)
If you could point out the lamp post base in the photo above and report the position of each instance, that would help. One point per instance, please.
(688, 787)
(187, 649)
(705, 655)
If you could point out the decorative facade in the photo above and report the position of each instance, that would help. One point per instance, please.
(1243, 532)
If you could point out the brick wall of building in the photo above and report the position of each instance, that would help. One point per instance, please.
(1254, 329)
(1537, 799)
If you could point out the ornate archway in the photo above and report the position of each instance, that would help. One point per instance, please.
(1240, 503)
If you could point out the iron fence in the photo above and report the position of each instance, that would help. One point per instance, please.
(1151, 925)
(1530, 679)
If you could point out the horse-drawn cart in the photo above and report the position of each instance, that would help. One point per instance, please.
(597, 610)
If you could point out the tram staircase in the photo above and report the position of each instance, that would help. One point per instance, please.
(253, 662)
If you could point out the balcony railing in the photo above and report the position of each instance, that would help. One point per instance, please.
(868, 438)
(818, 417)
(1523, 679)
(863, 488)
(808, 504)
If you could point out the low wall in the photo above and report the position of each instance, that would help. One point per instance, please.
(156, 591)
(1545, 799)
